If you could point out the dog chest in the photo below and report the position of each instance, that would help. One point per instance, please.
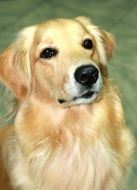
(89, 169)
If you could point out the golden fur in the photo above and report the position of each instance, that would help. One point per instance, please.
(66, 146)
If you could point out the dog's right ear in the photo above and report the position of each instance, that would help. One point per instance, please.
(15, 68)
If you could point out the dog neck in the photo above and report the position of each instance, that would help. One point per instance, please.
(39, 121)
(36, 122)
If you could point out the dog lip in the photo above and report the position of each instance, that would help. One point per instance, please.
(61, 101)
(85, 95)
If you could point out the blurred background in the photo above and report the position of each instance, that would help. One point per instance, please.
(116, 16)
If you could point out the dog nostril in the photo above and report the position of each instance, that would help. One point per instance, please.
(83, 78)
(94, 76)
(86, 75)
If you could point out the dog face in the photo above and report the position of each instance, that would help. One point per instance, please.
(61, 61)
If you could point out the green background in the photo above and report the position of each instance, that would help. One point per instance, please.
(116, 16)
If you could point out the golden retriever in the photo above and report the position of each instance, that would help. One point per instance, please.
(69, 131)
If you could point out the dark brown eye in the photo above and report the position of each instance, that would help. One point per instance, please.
(48, 53)
(87, 44)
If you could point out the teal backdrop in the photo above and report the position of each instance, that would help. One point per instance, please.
(116, 16)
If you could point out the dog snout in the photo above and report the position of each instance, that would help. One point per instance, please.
(86, 75)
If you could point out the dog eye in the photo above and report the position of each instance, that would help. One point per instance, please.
(48, 53)
(87, 44)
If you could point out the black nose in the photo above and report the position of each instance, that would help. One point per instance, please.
(86, 75)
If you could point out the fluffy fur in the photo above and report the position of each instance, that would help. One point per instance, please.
(76, 145)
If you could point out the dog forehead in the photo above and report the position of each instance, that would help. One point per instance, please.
(61, 28)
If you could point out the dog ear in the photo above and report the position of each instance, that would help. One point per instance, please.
(15, 68)
(109, 43)
(105, 41)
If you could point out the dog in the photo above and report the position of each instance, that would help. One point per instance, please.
(69, 131)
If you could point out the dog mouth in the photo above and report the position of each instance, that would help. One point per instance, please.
(85, 95)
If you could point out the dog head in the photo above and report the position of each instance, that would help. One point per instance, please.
(62, 61)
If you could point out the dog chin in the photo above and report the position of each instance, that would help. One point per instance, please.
(85, 100)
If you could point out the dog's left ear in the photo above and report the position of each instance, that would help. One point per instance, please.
(109, 42)
(15, 68)
(105, 41)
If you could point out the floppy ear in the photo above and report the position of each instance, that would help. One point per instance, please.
(105, 41)
(109, 43)
(15, 69)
